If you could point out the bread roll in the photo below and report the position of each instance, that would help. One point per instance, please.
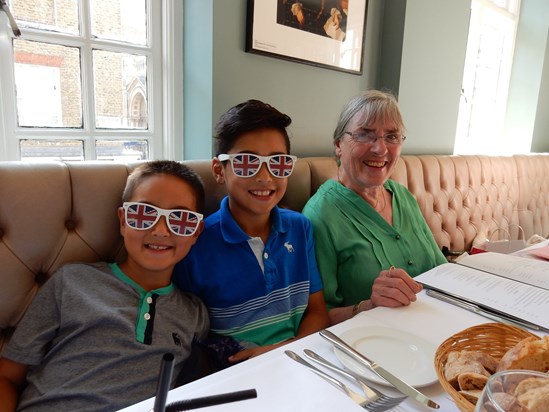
(471, 395)
(452, 370)
(507, 402)
(489, 362)
(530, 383)
(536, 399)
(470, 380)
(530, 353)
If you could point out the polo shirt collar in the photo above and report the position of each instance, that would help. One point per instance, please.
(231, 231)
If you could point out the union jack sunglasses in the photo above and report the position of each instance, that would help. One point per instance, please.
(248, 164)
(142, 216)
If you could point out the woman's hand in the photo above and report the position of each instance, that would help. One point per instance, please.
(393, 288)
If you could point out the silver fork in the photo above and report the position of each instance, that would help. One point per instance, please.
(359, 399)
(375, 396)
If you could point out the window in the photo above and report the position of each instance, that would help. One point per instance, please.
(85, 80)
(487, 72)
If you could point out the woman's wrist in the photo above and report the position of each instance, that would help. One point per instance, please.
(361, 307)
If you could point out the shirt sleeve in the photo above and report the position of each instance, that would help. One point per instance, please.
(39, 324)
(314, 275)
(326, 256)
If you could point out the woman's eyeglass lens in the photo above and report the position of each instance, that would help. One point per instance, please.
(142, 216)
(371, 137)
(248, 164)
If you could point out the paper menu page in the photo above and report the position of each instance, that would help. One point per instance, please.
(498, 293)
(531, 271)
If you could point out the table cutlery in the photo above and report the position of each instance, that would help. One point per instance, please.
(374, 395)
(380, 371)
(359, 399)
(471, 307)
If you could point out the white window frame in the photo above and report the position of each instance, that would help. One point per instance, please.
(489, 141)
(164, 83)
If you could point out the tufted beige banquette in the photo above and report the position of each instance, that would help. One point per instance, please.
(52, 213)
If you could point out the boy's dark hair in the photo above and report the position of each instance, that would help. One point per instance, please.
(246, 117)
(167, 167)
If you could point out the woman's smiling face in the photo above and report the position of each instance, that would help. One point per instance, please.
(366, 165)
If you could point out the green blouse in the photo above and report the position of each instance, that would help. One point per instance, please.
(354, 243)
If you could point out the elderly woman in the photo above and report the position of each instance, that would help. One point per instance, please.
(370, 235)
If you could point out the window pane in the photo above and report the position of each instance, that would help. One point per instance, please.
(48, 88)
(123, 20)
(52, 15)
(40, 150)
(120, 84)
(126, 150)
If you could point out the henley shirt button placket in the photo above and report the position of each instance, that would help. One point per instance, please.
(147, 315)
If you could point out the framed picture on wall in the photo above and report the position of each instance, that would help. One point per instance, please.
(324, 33)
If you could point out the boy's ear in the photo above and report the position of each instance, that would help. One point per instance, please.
(198, 231)
(122, 220)
(218, 171)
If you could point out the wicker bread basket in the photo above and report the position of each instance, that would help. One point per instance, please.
(491, 338)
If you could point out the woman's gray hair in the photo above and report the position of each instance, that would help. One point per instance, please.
(376, 105)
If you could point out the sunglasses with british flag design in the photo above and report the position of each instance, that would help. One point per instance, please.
(249, 164)
(142, 216)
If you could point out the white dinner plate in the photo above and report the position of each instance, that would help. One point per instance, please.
(405, 355)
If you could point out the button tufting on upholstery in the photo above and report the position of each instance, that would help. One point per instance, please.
(41, 278)
(70, 224)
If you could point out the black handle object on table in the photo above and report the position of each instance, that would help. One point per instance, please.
(164, 382)
(188, 404)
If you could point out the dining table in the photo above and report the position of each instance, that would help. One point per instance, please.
(284, 385)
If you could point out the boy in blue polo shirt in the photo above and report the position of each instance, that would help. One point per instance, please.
(254, 264)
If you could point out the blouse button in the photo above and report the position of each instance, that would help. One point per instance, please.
(265, 255)
(149, 300)
(147, 316)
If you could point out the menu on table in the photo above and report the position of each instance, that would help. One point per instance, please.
(503, 284)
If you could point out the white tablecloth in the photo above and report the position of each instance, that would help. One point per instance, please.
(284, 385)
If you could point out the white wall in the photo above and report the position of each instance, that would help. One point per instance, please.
(414, 47)
(526, 88)
(433, 55)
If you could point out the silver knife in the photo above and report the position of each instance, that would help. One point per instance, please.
(385, 374)
(487, 314)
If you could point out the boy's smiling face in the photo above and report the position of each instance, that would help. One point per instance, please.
(254, 197)
(153, 253)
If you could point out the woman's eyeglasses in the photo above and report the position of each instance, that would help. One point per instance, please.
(142, 216)
(248, 164)
(370, 137)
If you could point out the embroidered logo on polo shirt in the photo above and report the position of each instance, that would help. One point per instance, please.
(289, 247)
(176, 339)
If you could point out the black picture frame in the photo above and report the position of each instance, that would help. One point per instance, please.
(303, 31)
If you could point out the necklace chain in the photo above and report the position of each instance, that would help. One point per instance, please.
(380, 191)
